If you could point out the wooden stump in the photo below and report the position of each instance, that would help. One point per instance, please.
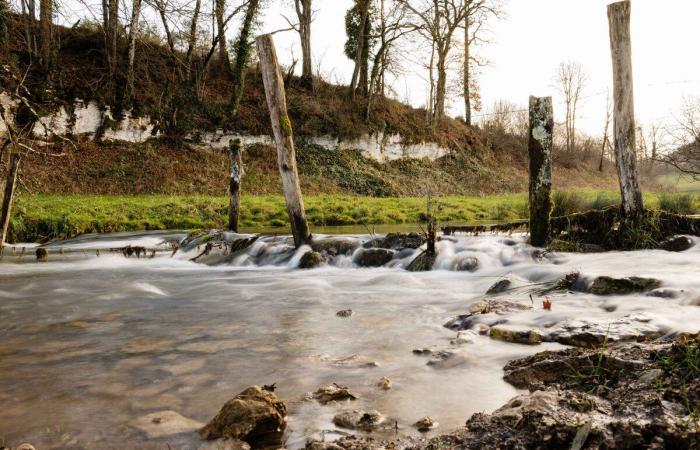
(540, 152)
(284, 140)
(234, 205)
(8, 197)
(624, 128)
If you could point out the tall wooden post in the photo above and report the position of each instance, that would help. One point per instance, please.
(623, 85)
(8, 197)
(284, 140)
(540, 152)
(234, 205)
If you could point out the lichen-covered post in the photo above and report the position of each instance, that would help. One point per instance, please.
(623, 88)
(234, 205)
(8, 197)
(540, 151)
(284, 140)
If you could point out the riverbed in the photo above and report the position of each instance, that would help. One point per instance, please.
(90, 341)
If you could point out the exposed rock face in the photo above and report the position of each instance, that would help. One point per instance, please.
(590, 333)
(310, 260)
(373, 257)
(255, 416)
(676, 244)
(623, 286)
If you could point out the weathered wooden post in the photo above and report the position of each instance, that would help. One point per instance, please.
(234, 204)
(8, 197)
(540, 152)
(284, 140)
(623, 86)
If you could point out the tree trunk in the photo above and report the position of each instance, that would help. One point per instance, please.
(220, 7)
(8, 197)
(466, 80)
(45, 23)
(235, 185)
(355, 82)
(303, 8)
(282, 129)
(112, 36)
(105, 18)
(441, 89)
(540, 152)
(131, 57)
(192, 39)
(243, 48)
(624, 129)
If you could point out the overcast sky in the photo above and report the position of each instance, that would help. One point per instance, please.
(534, 38)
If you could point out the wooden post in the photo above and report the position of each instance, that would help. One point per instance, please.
(8, 197)
(540, 151)
(624, 130)
(284, 140)
(234, 205)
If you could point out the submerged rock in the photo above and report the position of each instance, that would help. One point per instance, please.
(466, 264)
(384, 383)
(359, 420)
(255, 416)
(225, 444)
(165, 423)
(373, 257)
(484, 307)
(42, 254)
(676, 244)
(623, 286)
(592, 333)
(344, 313)
(333, 393)
(310, 260)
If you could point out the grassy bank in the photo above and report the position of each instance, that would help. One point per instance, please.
(40, 218)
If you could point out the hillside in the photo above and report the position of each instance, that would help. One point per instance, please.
(478, 162)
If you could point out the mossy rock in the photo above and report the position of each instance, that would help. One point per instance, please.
(310, 260)
(623, 286)
(423, 263)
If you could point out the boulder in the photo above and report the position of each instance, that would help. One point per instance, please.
(310, 260)
(425, 424)
(359, 420)
(255, 416)
(373, 257)
(334, 246)
(164, 423)
(483, 307)
(676, 244)
(623, 286)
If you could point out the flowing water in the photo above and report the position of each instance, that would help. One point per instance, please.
(88, 343)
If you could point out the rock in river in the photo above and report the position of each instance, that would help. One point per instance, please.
(359, 420)
(676, 244)
(398, 241)
(164, 423)
(255, 416)
(499, 287)
(623, 286)
(373, 257)
(310, 260)
(592, 333)
(528, 337)
(333, 393)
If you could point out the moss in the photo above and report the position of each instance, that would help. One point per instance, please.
(286, 125)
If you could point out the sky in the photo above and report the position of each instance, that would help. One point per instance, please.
(529, 44)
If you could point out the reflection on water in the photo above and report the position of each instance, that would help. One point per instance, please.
(89, 343)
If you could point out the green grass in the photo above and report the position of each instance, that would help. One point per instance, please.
(43, 217)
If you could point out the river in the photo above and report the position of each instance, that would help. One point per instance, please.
(90, 342)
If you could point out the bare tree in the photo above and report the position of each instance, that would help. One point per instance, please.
(304, 15)
(131, 52)
(438, 20)
(571, 81)
(478, 13)
(219, 8)
(243, 48)
(358, 81)
(45, 26)
(685, 136)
